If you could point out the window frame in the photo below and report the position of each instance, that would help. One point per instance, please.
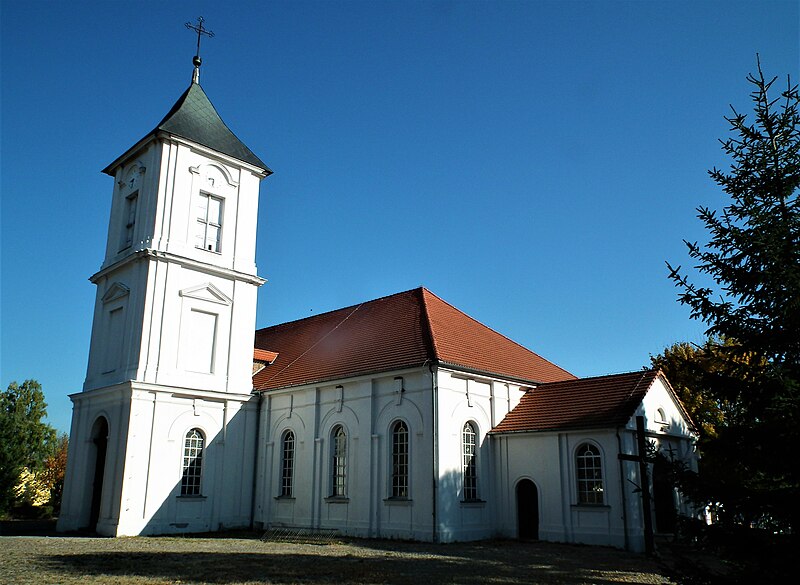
(287, 463)
(589, 475)
(469, 462)
(194, 445)
(338, 472)
(203, 223)
(400, 460)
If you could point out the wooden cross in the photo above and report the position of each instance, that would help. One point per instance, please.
(644, 489)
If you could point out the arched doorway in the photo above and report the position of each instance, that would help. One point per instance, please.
(100, 442)
(663, 496)
(527, 510)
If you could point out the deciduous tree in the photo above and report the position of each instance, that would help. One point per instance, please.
(25, 439)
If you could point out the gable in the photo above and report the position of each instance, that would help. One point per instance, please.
(662, 410)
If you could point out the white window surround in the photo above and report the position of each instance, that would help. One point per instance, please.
(400, 459)
(202, 338)
(287, 464)
(209, 210)
(589, 474)
(338, 462)
(131, 202)
(192, 468)
(129, 188)
(115, 301)
(469, 461)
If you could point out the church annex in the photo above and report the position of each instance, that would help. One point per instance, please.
(400, 417)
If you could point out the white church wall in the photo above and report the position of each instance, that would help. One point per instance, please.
(89, 408)
(483, 402)
(160, 421)
(549, 461)
(366, 407)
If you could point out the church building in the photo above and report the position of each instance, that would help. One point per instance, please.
(399, 417)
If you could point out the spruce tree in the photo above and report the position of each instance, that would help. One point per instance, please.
(753, 262)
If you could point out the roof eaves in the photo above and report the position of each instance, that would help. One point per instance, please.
(326, 379)
(559, 429)
(488, 373)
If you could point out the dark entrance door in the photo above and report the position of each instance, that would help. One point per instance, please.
(527, 510)
(663, 496)
(100, 441)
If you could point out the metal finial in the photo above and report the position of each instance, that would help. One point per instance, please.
(196, 60)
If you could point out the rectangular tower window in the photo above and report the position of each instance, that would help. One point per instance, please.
(130, 220)
(209, 222)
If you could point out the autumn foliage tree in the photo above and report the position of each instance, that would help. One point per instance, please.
(752, 262)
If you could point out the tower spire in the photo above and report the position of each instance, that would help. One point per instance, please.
(196, 60)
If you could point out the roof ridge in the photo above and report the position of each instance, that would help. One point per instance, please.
(427, 327)
(330, 312)
(473, 319)
(628, 373)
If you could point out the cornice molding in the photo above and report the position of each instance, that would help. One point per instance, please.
(149, 253)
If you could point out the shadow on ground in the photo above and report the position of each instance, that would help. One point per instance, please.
(396, 563)
(28, 528)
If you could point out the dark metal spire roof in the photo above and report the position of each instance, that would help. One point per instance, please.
(194, 117)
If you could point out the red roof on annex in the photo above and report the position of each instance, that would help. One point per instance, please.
(600, 402)
(404, 330)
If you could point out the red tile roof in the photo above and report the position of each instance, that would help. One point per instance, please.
(601, 402)
(403, 330)
(263, 355)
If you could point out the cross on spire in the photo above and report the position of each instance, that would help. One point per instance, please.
(196, 60)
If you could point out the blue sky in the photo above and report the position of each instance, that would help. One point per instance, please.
(532, 163)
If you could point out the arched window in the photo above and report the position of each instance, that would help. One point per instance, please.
(287, 464)
(399, 460)
(192, 463)
(339, 462)
(588, 464)
(469, 461)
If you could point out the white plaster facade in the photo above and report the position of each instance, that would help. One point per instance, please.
(367, 407)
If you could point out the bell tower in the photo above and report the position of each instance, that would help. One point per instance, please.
(169, 379)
